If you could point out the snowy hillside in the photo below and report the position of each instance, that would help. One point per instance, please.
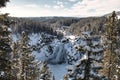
(57, 40)
(59, 53)
(68, 50)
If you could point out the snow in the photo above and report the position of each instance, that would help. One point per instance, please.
(72, 37)
(87, 33)
(15, 37)
(1, 73)
(9, 29)
(115, 77)
(70, 67)
(58, 56)
(119, 67)
(85, 57)
(60, 51)
(118, 17)
(87, 48)
(83, 43)
(95, 43)
(61, 31)
(58, 70)
(97, 49)
(39, 56)
(34, 38)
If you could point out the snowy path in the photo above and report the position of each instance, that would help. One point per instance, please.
(58, 70)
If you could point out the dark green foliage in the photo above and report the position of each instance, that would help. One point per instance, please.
(5, 52)
(111, 58)
(30, 67)
(45, 73)
(87, 68)
(112, 44)
(16, 61)
(93, 24)
(31, 26)
(49, 25)
(3, 3)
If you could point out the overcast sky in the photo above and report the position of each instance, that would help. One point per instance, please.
(72, 8)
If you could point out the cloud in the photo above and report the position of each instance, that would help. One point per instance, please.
(28, 11)
(59, 5)
(31, 5)
(72, 0)
(94, 7)
(47, 6)
(82, 8)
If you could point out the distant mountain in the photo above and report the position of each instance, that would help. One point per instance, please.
(50, 25)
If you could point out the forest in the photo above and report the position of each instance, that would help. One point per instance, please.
(59, 48)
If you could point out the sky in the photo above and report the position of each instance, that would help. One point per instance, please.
(65, 8)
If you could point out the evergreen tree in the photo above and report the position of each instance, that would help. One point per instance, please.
(111, 58)
(3, 3)
(5, 52)
(30, 67)
(45, 73)
(87, 68)
(16, 61)
(118, 64)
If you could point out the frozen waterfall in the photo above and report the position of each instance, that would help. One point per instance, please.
(58, 56)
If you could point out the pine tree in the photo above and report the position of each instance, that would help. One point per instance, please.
(45, 73)
(16, 61)
(30, 67)
(87, 68)
(3, 3)
(110, 57)
(118, 63)
(5, 52)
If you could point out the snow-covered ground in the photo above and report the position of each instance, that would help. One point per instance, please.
(58, 70)
(118, 17)
(57, 51)
(59, 47)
